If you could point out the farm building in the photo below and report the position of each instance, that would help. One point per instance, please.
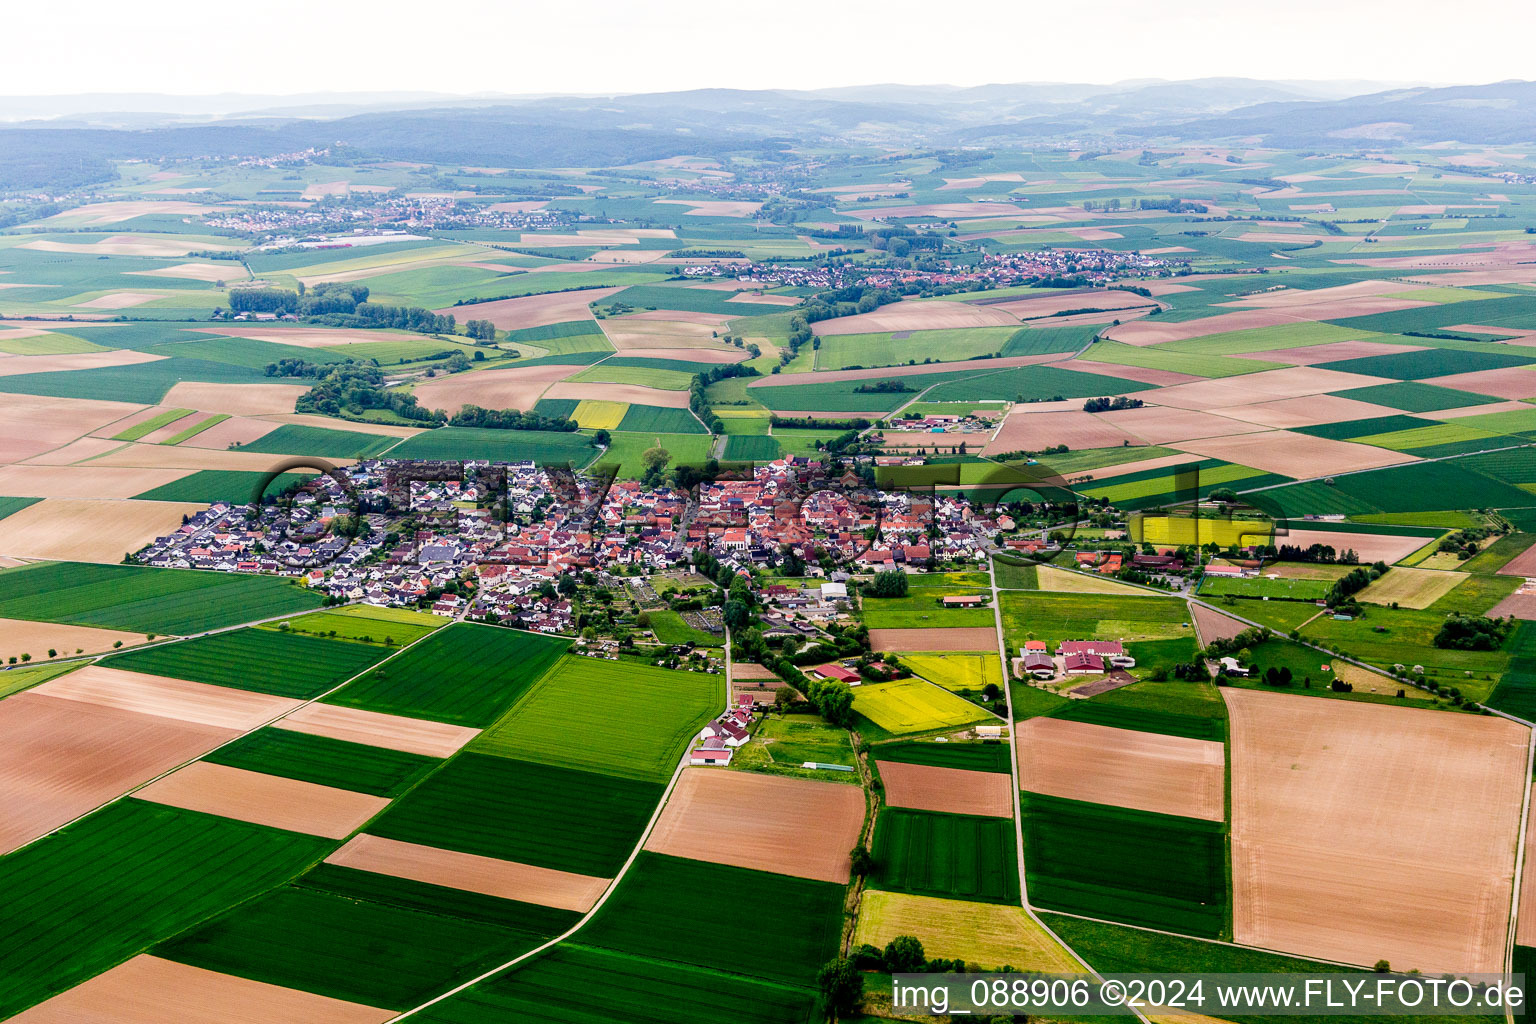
(964, 601)
(1084, 664)
(711, 752)
(1039, 664)
(837, 673)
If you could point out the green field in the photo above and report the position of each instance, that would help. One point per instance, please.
(145, 600)
(362, 952)
(923, 607)
(202, 423)
(1429, 362)
(751, 448)
(628, 449)
(1152, 710)
(1153, 870)
(1285, 588)
(783, 745)
(391, 890)
(793, 932)
(545, 447)
(843, 351)
(10, 506)
(619, 989)
(294, 439)
(263, 660)
(1412, 396)
(645, 376)
(531, 813)
(570, 718)
(959, 856)
(656, 419)
(235, 486)
(1157, 357)
(128, 876)
(1055, 616)
(151, 425)
(365, 623)
(358, 767)
(973, 757)
(466, 674)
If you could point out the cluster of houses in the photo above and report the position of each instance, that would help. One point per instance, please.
(435, 534)
(1072, 658)
(717, 741)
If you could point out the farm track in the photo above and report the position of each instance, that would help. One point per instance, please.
(613, 886)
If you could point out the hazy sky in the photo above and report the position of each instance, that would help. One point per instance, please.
(602, 46)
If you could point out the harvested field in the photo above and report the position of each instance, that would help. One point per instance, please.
(634, 333)
(36, 638)
(185, 459)
(1066, 581)
(1046, 305)
(988, 934)
(61, 758)
(1025, 431)
(78, 450)
(786, 826)
(952, 790)
(961, 638)
(208, 272)
(534, 310)
(393, 732)
(1294, 455)
(235, 399)
(149, 990)
(634, 394)
(1520, 605)
(515, 387)
(235, 430)
(917, 316)
(941, 211)
(265, 799)
(86, 482)
(1291, 297)
(715, 207)
(487, 875)
(1512, 382)
(315, 337)
(198, 703)
(1160, 425)
(681, 316)
(1364, 832)
(1144, 332)
(751, 670)
(1306, 411)
(12, 365)
(886, 372)
(698, 355)
(768, 300)
(1412, 588)
(95, 215)
(119, 245)
(1523, 564)
(1213, 625)
(1371, 547)
(86, 530)
(1144, 771)
(1328, 353)
(121, 300)
(1120, 371)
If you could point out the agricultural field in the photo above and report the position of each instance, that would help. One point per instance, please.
(1287, 588)
(466, 674)
(368, 624)
(323, 761)
(1152, 870)
(988, 934)
(267, 661)
(956, 671)
(1054, 617)
(537, 814)
(915, 705)
(954, 856)
(132, 875)
(145, 600)
(578, 698)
